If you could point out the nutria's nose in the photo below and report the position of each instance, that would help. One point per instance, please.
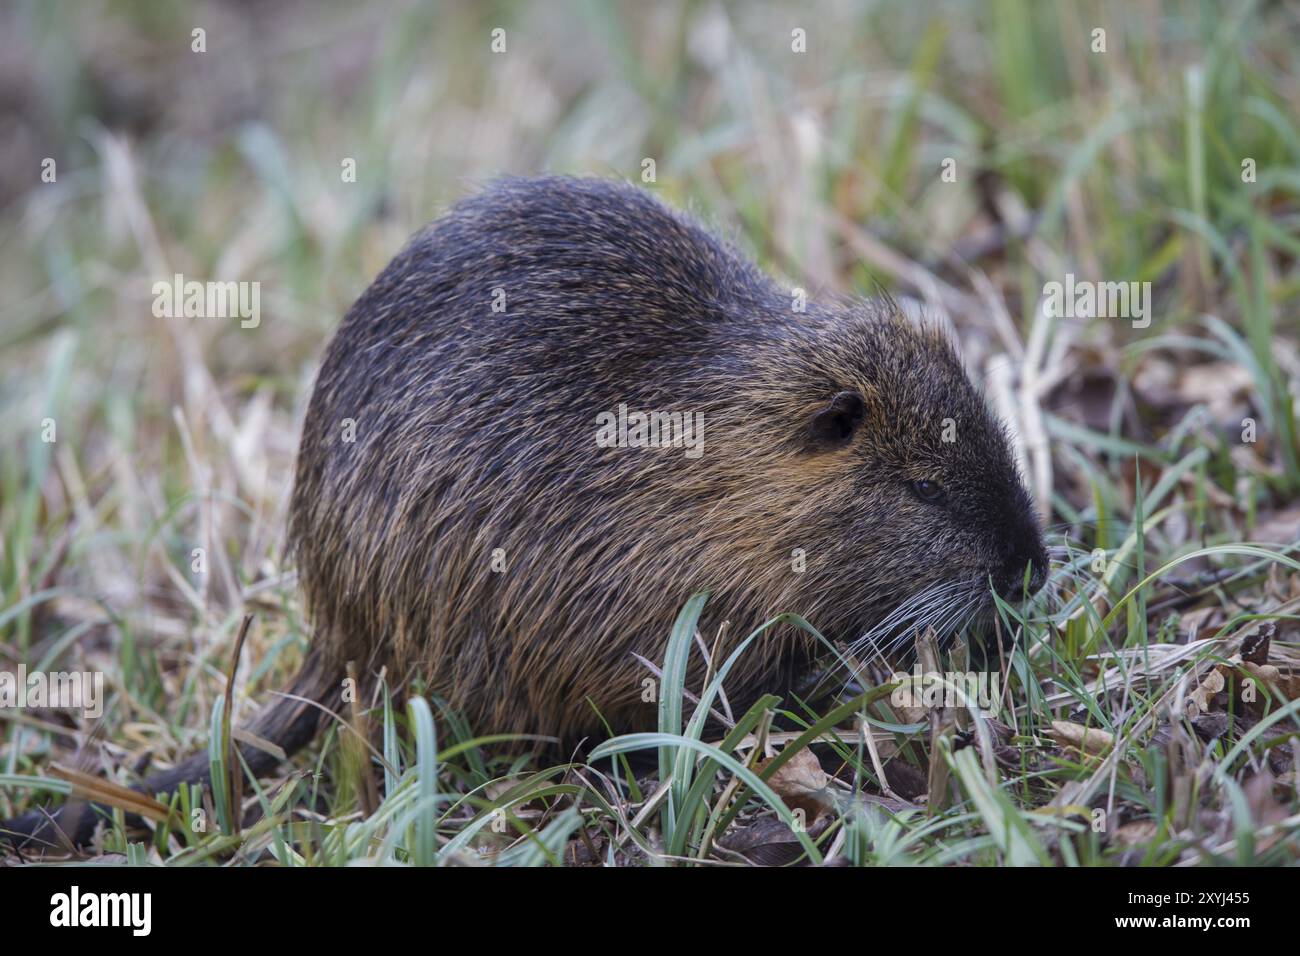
(1011, 582)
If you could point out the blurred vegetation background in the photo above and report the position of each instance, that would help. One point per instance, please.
(1116, 165)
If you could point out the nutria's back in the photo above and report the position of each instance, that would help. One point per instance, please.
(456, 518)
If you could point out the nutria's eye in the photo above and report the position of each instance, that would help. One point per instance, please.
(930, 492)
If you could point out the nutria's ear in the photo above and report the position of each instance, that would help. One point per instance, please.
(835, 425)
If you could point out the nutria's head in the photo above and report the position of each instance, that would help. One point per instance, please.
(900, 485)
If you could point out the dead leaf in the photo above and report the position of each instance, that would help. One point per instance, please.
(801, 783)
(767, 841)
(1255, 647)
(1202, 699)
(1252, 680)
(1268, 676)
(1224, 387)
(1137, 832)
(1087, 740)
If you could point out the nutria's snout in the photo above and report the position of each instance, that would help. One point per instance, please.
(1025, 552)
(1011, 582)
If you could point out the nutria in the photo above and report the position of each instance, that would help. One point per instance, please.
(457, 519)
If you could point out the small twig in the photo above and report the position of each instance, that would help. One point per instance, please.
(234, 770)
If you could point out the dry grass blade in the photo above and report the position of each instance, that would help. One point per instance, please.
(98, 790)
(234, 768)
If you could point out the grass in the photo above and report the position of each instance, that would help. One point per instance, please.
(1174, 540)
